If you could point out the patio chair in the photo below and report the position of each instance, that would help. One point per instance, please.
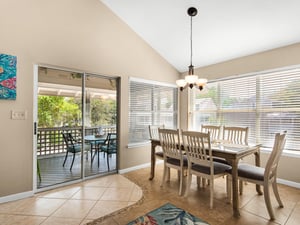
(173, 154)
(110, 146)
(73, 146)
(265, 176)
(200, 161)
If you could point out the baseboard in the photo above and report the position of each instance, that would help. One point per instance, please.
(142, 166)
(18, 196)
(288, 183)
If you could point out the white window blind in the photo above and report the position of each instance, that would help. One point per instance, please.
(150, 103)
(266, 102)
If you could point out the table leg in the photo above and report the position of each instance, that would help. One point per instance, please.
(257, 163)
(235, 195)
(152, 161)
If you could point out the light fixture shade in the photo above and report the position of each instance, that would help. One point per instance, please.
(191, 79)
(201, 82)
(181, 83)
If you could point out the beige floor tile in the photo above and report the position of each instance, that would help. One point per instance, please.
(89, 193)
(101, 182)
(136, 194)
(74, 209)
(66, 192)
(20, 220)
(116, 194)
(258, 207)
(294, 218)
(103, 208)
(62, 221)
(121, 182)
(36, 206)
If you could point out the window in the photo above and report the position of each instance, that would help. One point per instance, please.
(266, 102)
(150, 103)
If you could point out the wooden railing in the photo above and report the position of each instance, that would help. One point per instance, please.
(51, 142)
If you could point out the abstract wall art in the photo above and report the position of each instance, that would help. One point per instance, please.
(8, 76)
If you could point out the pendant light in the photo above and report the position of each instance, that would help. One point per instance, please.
(191, 80)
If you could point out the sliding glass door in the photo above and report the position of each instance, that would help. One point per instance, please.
(75, 113)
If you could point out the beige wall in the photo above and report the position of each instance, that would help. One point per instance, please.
(282, 57)
(77, 34)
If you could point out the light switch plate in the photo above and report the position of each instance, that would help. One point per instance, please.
(19, 115)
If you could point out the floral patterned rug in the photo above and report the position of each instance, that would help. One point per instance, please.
(168, 214)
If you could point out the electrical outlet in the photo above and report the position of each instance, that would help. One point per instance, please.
(19, 115)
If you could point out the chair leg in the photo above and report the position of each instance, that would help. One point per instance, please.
(72, 161)
(228, 188)
(241, 186)
(65, 158)
(164, 175)
(211, 192)
(198, 181)
(181, 181)
(188, 183)
(38, 170)
(107, 157)
(275, 190)
(268, 201)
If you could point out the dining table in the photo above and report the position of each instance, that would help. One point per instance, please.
(232, 153)
(95, 141)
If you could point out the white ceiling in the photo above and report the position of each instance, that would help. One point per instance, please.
(222, 30)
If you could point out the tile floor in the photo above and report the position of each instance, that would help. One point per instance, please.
(252, 206)
(89, 202)
(72, 205)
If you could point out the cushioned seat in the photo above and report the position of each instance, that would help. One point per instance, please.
(250, 171)
(159, 154)
(177, 161)
(218, 168)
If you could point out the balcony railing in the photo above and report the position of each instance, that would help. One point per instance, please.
(51, 142)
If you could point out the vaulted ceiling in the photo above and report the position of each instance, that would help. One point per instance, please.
(222, 30)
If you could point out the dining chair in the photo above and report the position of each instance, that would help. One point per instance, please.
(172, 154)
(73, 146)
(265, 176)
(235, 135)
(215, 131)
(153, 133)
(197, 146)
(109, 147)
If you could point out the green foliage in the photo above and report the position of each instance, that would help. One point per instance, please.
(103, 112)
(211, 93)
(56, 111)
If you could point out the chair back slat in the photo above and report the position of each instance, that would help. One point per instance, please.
(236, 135)
(170, 142)
(215, 131)
(272, 163)
(198, 148)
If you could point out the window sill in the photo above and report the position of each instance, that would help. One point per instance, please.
(139, 144)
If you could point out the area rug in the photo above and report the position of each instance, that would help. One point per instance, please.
(168, 214)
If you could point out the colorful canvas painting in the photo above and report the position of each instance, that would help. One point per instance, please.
(8, 76)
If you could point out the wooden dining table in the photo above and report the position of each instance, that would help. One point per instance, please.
(232, 153)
